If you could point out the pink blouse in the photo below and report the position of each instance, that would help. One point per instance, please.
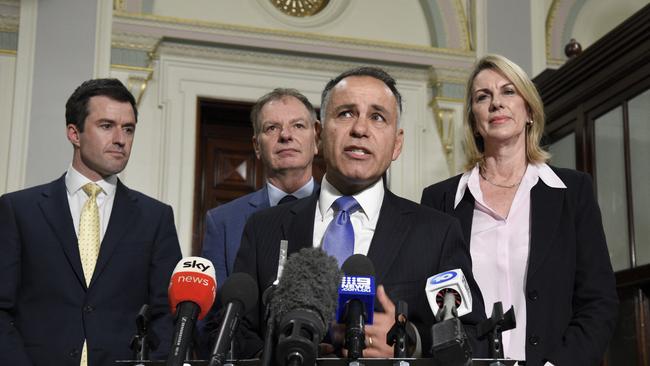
(500, 248)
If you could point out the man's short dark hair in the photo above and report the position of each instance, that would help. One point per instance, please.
(76, 108)
(373, 72)
(278, 94)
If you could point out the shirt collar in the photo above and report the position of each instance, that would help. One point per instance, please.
(534, 172)
(370, 199)
(74, 181)
(276, 194)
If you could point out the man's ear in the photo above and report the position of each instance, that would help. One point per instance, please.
(257, 148)
(317, 129)
(399, 141)
(72, 131)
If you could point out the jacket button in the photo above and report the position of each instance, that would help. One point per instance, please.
(74, 353)
(533, 340)
(88, 308)
(533, 295)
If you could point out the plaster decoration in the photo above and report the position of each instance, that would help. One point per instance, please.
(329, 13)
(560, 18)
(240, 36)
(448, 22)
(9, 23)
(134, 41)
(255, 57)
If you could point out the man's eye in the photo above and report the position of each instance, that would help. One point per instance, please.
(346, 114)
(377, 117)
(105, 126)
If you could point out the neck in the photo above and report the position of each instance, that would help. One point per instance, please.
(290, 181)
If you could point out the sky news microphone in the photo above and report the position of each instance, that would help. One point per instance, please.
(304, 304)
(238, 295)
(192, 289)
(449, 297)
(356, 302)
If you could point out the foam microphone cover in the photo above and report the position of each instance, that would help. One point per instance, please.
(193, 280)
(309, 282)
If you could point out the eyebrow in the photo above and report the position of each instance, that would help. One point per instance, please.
(487, 89)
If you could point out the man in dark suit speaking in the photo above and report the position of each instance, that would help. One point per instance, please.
(407, 243)
(82, 254)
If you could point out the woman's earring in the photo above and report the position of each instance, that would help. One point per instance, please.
(529, 122)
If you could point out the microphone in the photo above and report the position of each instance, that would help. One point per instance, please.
(400, 336)
(239, 296)
(356, 302)
(144, 338)
(449, 297)
(192, 290)
(303, 304)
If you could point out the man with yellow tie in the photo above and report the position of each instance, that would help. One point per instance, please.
(80, 256)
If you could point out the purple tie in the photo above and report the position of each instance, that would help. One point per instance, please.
(339, 236)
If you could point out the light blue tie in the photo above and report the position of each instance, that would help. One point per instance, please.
(339, 236)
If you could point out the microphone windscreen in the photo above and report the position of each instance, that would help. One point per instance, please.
(309, 282)
(193, 280)
(358, 265)
(240, 287)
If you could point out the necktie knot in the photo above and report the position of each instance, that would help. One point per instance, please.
(286, 199)
(346, 203)
(91, 189)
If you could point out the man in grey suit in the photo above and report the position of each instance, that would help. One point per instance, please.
(285, 140)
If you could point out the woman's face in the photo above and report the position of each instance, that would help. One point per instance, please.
(500, 111)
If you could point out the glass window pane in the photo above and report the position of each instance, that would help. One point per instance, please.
(563, 152)
(639, 114)
(610, 180)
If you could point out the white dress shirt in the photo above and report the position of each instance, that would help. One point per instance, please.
(363, 220)
(74, 181)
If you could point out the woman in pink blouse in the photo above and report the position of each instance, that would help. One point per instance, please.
(534, 231)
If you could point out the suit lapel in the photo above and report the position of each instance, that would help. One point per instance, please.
(464, 211)
(392, 228)
(260, 199)
(545, 209)
(122, 218)
(298, 226)
(56, 210)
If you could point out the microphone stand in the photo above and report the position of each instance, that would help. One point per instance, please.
(397, 336)
(144, 338)
(267, 351)
(493, 328)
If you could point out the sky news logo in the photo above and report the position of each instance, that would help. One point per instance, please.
(356, 284)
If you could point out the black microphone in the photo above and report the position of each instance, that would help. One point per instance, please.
(238, 295)
(304, 304)
(356, 302)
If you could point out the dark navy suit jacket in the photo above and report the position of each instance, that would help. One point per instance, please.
(571, 300)
(410, 244)
(46, 309)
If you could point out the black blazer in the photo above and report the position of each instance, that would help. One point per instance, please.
(571, 300)
(46, 309)
(410, 244)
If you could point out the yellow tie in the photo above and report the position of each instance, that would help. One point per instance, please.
(89, 231)
(89, 242)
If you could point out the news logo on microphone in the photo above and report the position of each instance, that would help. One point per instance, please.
(455, 281)
(193, 280)
(357, 287)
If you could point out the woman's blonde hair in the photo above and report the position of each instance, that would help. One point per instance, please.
(474, 145)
